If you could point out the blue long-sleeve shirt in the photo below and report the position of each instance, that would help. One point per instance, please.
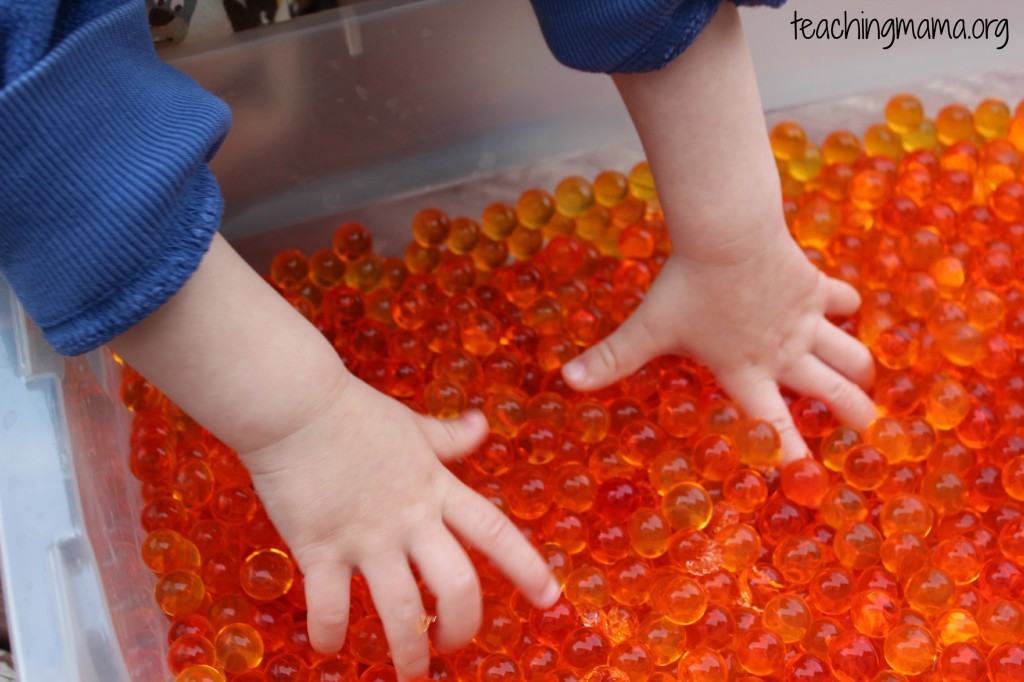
(101, 221)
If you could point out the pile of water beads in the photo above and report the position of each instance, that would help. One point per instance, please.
(894, 554)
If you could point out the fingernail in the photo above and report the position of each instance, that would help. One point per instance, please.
(575, 373)
(475, 419)
(552, 593)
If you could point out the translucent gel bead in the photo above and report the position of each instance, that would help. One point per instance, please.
(854, 657)
(1000, 621)
(798, 558)
(836, 444)
(535, 208)
(663, 638)
(239, 648)
(880, 140)
(200, 673)
(498, 221)
(761, 651)
(910, 649)
(959, 557)
(841, 146)
(746, 490)
(955, 123)
(805, 481)
(430, 227)
(649, 532)
(906, 513)
(903, 113)
(758, 443)
(703, 665)
(788, 616)
(585, 648)
(167, 550)
(740, 547)
(930, 591)
(858, 545)
(179, 593)
(992, 119)
(788, 141)
(874, 612)
(889, 437)
(610, 188)
(687, 506)
(189, 650)
(865, 468)
(956, 625)
(267, 574)
(962, 662)
(843, 504)
(641, 182)
(683, 601)
(904, 553)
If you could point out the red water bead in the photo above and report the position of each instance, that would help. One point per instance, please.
(616, 499)
(641, 442)
(537, 660)
(366, 641)
(807, 668)
(585, 648)
(715, 457)
(979, 428)
(164, 512)
(220, 572)
(286, 667)
(831, 589)
(805, 481)
(779, 518)
(1001, 578)
(273, 621)
(962, 662)
(608, 542)
(235, 505)
(854, 658)
(1006, 662)
(352, 241)
(798, 558)
(152, 461)
(189, 624)
(553, 625)
(812, 417)
(191, 649)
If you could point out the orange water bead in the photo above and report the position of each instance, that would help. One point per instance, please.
(955, 123)
(904, 553)
(535, 208)
(874, 612)
(687, 506)
(757, 442)
(166, 550)
(958, 557)
(740, 546)
(788, 141)
(880, 140)
(585, 648)
(788, 616)
(267, 574)
(904, 113)
(200, 673)
(992, 119)
(910, 649)
(798, 558)
(238, 648)
(869, 189)
(906, 513)
(841, 146)
(746, 490)
(864, 467)
(761, 651)
(858, 545)
(179, 592)
(835, 444)
(930, 591)
(649, 533)
(946, 491)
(843, 504)
(805, 481)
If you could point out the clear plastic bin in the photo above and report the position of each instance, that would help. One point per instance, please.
(368, 114)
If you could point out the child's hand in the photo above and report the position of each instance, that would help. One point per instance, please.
(350, 477)
(736, 293)
(756, 321)
(359, 487)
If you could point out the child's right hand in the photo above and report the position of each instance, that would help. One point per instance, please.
(360, 486)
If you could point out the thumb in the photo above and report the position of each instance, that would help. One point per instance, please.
(624, 351)
(454, 438)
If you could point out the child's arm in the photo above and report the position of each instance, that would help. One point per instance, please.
(350, 477)
(737, 293)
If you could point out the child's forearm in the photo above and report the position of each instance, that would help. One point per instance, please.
(226, 338)
(704, 134)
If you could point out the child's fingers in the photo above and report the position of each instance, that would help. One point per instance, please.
(397, 598)
(847, 401)
(841, 299)
(623, 352)
(481, 524)
(327, 593)
(448, 572)
(845, 354)
(452, 438)
(760, 399)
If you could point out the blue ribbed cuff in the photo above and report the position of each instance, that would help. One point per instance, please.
(109, 203)
(625, 36)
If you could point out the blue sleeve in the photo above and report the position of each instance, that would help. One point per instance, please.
(625, 36)
(108, 202)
